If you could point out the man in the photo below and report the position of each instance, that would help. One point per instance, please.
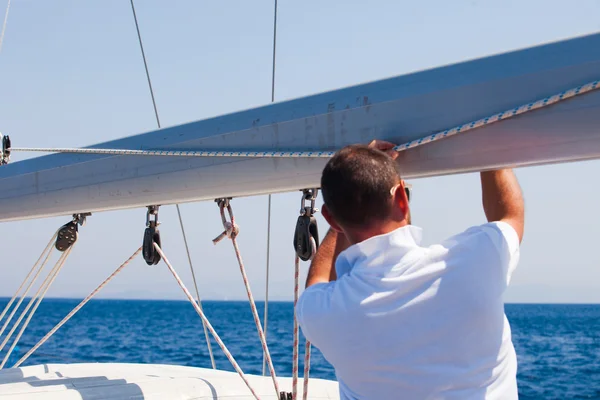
(402, 321)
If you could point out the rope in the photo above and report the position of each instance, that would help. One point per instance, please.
(231, 231)
(274, 53)
(205, 320)
(40, 296)
(266, 317)
(306, 370)
(137, 27)
(266, 313)
(513, 112)
(4, 24)
(45, 256)
(50, 243)
(297, 333)
(76, 309)
(187, 250)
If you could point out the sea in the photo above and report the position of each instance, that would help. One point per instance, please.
(558, 346)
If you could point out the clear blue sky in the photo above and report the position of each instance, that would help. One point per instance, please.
(71, 75)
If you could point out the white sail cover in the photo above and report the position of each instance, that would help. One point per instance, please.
(398, 109)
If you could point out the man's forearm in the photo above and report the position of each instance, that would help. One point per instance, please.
(502, 198)
(322, 267)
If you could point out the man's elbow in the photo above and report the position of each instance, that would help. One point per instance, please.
(518, 224)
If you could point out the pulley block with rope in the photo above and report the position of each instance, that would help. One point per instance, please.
(151, 236)
(68, 233)
(5, 155)
(306, 236)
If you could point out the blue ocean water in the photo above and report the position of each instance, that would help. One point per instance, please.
(558, 346)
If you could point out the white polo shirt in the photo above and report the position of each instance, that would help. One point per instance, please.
(409, 322)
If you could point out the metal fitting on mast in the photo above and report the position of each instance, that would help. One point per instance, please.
(151, 236)
(306, 236)
(68, 233)
(5, 155)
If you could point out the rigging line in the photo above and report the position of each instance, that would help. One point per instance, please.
(40, 296)
(296, 340)
(513, 112)
(30, 303)
(208, 344)
(306, 370)
(50, 243)
(205, 320)
(231, 231)
(76, 309)
(46, 256)
(296, 331)
(187, 250)
(266, 313)
(137, 27)
(4, 24)
(274, 53)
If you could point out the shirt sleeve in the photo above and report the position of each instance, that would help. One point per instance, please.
(506, 241)
(312, 310)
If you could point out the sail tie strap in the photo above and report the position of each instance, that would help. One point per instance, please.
(231, 230)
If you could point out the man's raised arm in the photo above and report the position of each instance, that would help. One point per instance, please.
(322, 267)
(502, 199)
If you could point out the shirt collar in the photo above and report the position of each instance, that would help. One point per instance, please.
(374, 251)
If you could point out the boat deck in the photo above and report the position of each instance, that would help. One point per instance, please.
(98, 381)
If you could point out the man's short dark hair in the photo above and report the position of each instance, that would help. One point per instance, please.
(356, 185)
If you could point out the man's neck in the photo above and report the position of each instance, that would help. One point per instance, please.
(360, 235)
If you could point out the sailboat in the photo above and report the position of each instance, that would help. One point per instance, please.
(534, 106)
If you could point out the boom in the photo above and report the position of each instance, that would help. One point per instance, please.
(397, 109)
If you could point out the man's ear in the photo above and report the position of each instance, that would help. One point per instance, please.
(330, 220)
(401, 199)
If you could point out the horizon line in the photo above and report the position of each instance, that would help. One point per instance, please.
(270, 300)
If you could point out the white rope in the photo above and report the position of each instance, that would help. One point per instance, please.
(306, 370)
(296, 339)
(296, 331)
(513, 112)
(4, 24)
(45, 256)
(178, 153)
(266, 313)
(187, 250)
(266, 316)
(40, 296)
(231, 231)
(50, 243)
(206, 321)
(76, 309)
(139, 35)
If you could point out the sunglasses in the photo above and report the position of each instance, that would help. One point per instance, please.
(407, 190)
